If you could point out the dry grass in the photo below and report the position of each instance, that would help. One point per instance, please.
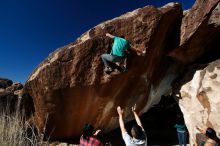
(14, 131)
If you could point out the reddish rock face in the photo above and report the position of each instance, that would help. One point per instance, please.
(70, 89)
(200, 32)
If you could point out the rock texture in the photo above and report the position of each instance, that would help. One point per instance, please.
(199, 43)
(200, 32)
(200, 99)
(12, 98)
(70, 89)
(4, 83)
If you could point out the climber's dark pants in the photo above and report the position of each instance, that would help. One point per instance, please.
(106, 58)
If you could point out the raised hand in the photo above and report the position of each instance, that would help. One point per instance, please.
(97, 132)
(202, 130)
(133, 108)
(119, 110)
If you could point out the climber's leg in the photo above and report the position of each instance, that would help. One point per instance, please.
(106, 58)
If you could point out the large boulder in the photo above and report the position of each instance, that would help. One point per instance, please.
(7, 101)
(200, 101)
(70, 88)
(200, 33)
(4, 83)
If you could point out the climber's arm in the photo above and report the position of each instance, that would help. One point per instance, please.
(109, 35)
(137, 50)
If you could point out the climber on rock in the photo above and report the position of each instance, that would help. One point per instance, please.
(120, 48)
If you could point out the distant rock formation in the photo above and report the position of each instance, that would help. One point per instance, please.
(70, 88)
(12, 98)
(4, 83)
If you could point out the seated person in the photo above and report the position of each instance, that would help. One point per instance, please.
(88, 138)
(212, 139)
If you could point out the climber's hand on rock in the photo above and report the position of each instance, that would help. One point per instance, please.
(141, 53)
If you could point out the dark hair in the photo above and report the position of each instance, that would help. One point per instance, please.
(210, 133)
(179, 117)
(138, 132)
(180, 121)
(87, 131)
(121, 36)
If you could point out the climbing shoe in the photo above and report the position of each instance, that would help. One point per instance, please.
(124, 69)
(108, 69)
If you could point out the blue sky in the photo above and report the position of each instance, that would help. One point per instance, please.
(31, 29)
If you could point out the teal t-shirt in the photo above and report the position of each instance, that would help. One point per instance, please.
(119, 46)
(180, 127)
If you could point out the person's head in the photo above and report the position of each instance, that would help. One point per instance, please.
(122, 36)
(210, 133)
(87, 131)
(180, 119)
(137, 132)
